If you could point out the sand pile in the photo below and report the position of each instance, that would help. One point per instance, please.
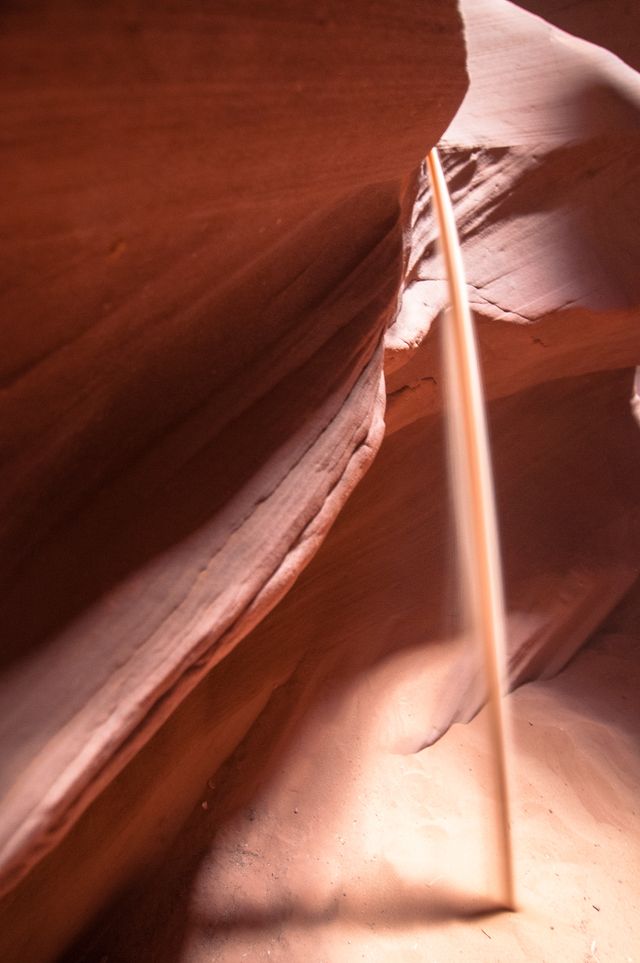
(341, 845)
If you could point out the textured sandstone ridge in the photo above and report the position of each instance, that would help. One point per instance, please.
(542, 160)
(202, 244)
(338, 829)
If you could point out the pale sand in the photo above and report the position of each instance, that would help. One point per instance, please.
(350, 848)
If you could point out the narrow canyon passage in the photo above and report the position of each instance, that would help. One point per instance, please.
(240, 714)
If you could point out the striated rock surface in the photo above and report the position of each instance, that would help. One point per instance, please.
(338, 828)
(541, 160)
(202, 244)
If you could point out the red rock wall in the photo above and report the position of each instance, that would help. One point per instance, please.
(202, 245)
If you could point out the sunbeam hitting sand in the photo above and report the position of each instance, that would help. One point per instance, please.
(481, 589)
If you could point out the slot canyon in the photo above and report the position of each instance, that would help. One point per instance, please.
(242, 714)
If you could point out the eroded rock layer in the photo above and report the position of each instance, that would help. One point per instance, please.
(202, 245)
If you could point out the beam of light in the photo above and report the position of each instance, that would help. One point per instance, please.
(474, 507)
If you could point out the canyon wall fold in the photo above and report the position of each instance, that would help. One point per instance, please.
(542, 161)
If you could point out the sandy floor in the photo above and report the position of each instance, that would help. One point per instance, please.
(347, 845)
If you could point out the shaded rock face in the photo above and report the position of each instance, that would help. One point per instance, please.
(614, 24)
(223, 424)
(202, 245)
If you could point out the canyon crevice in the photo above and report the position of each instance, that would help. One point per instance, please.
(228, 588)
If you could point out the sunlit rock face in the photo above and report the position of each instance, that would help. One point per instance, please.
(347, 823)
(542, 159)
(202, 246)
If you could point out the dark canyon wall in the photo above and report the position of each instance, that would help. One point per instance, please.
(202, 245)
